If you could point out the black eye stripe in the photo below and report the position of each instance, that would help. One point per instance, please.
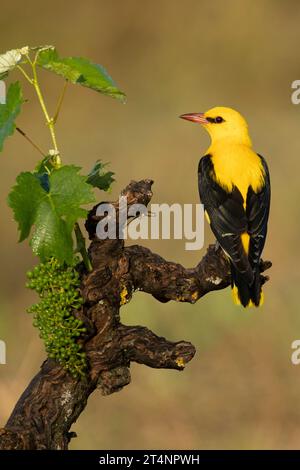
(216, 120)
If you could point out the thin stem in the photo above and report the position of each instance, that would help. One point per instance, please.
(31, 141)
(29, 59)
(44, 109)
(82, 248)
(25, 74)
(60, 102)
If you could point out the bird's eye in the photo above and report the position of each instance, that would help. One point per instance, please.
(216, 120)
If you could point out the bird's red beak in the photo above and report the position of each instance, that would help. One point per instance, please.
(195, 117)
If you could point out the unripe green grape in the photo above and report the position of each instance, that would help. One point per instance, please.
(57, 287)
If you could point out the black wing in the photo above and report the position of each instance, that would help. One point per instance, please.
(258, 208)
(227, 215)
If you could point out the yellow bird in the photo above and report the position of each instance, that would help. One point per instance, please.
(234, 186)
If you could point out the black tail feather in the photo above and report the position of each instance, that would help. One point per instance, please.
(246, 292)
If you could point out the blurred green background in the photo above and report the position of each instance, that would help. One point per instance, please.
(170, 57)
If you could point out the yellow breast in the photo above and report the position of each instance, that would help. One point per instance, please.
(237, 165)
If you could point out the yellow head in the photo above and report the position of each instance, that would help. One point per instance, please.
(222, 123)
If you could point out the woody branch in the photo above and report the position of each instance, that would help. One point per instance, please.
(53, 401)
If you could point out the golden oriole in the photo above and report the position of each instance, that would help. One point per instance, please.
(234, 187)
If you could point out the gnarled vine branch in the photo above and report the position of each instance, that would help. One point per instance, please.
(53, 401)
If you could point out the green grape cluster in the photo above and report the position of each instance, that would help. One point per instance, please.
(57, 286)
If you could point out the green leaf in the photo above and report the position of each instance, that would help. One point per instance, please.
(80, 70)
(99, 177)
(9, 111)
(24, 199)
(53, 213)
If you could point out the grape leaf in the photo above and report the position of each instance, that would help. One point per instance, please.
(79, 70)
(53, 213)
(9, 111)
(99, 177)
(24, 199)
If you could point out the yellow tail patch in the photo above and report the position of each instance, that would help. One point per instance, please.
(262, 299)
(236, 298)
(235, 295)
(245, 241)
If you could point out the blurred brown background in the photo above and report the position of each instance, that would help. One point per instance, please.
(170, 57)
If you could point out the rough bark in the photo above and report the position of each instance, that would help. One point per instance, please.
(53, 400)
